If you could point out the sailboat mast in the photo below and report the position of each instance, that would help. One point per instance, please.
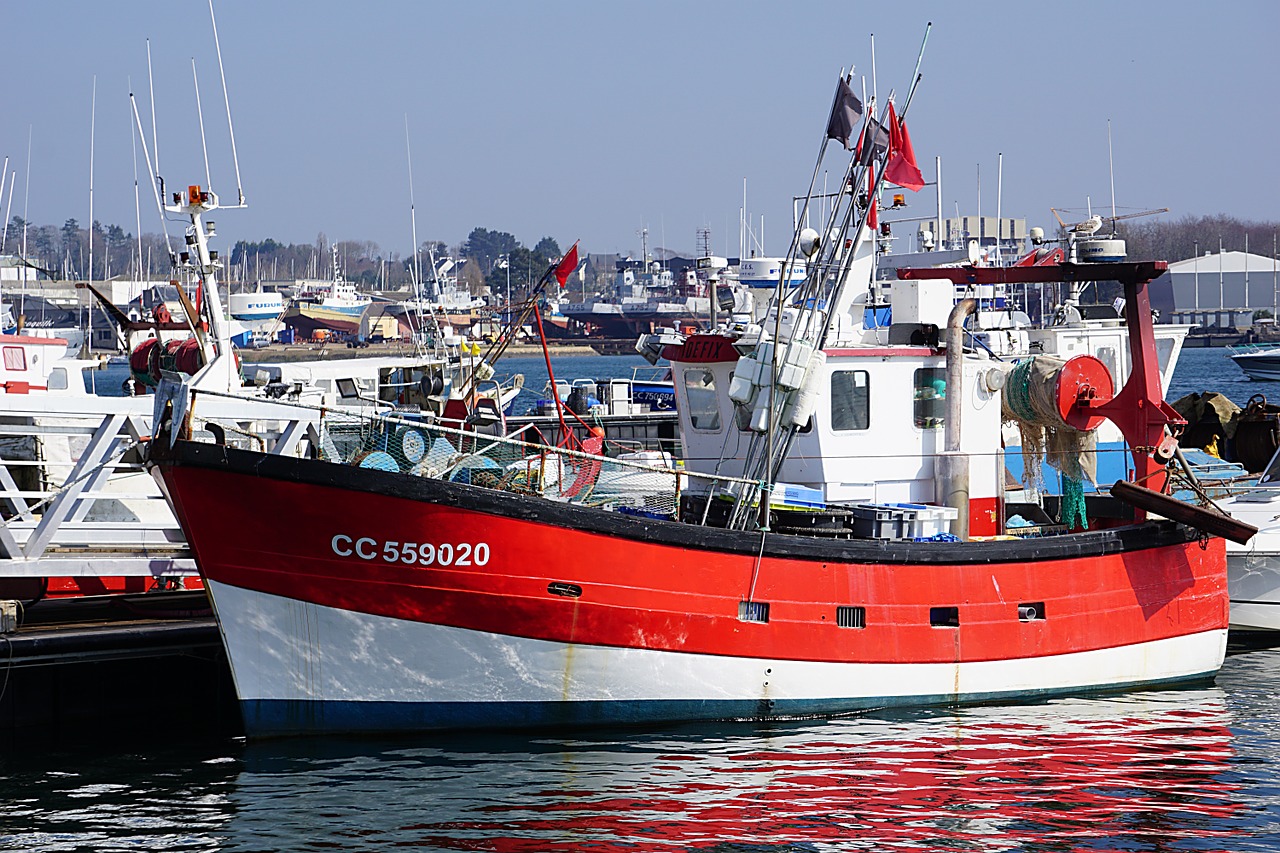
(4, 238)
(4, 172)
(93, 109)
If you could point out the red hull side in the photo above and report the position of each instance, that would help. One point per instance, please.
(309, 542)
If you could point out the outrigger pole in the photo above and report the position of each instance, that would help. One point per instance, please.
(773, 458)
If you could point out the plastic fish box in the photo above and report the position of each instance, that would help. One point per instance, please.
(787, 494)
(880, 521)
(926, 520)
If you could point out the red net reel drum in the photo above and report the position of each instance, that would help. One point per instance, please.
(1084, 383)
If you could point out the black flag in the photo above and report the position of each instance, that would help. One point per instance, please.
(845, 114)
(874, 143)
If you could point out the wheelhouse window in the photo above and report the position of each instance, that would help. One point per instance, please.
(700, 389)
(15, 358)
(929, 407)
(1107, 355)
(850, 400)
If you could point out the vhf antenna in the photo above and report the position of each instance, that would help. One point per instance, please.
(227, 99)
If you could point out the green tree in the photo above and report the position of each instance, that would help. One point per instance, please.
(548, 248)
(118, 237)
(484, 246)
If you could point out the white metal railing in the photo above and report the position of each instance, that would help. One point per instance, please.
(75, 498)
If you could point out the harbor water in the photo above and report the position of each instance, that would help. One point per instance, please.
(1179, 770)
(1199, 369)
(1159, 771)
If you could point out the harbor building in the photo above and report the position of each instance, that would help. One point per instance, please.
(1222, 289)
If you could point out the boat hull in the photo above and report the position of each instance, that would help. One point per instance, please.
(1254, 580)
(483, 679)
(1263, 366)
(530, 613)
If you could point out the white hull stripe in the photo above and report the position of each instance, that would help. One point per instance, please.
(305, 667)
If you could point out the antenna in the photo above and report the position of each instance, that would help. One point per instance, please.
(1111, 165)
(227, 99)
(999, 191)
(26, 206)
(4, 237)
(155, 186)
(3, 172)
(93, 108)
(137, 203)
(208, 180)
(413, 218)
(873, 66)
(155, 140)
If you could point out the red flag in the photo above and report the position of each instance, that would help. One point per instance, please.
(901, 168)
(567, 265)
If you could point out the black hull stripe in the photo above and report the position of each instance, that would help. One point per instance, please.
(1135, 537)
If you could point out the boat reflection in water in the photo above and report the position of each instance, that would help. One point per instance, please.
(1137, 771)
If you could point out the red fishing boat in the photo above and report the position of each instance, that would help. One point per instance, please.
(837, 537)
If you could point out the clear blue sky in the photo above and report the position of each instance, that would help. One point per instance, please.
(595, 119)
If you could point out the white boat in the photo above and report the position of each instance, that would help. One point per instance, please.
(1253, 569)
(255, 308)
(1258, 361)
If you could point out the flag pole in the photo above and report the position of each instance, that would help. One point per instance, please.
(784, 274)
(915, 79)
(497, 348)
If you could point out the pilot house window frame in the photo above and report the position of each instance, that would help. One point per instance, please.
(850, 400)
(15, 358)
(929, 398)
(700, 393)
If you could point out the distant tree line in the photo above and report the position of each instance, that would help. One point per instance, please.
(486, 257)
(1184, 238)
(65, 251)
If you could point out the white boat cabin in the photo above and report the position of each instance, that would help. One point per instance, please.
(38, 365)
(874, 436)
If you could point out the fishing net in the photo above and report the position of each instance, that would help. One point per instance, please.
(1029, 401)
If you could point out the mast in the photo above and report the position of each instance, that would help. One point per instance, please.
(87, 348)
(155, 139)
(4, 171)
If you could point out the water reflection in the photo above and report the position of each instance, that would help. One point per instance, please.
(1143, 772)
(1188, 770)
